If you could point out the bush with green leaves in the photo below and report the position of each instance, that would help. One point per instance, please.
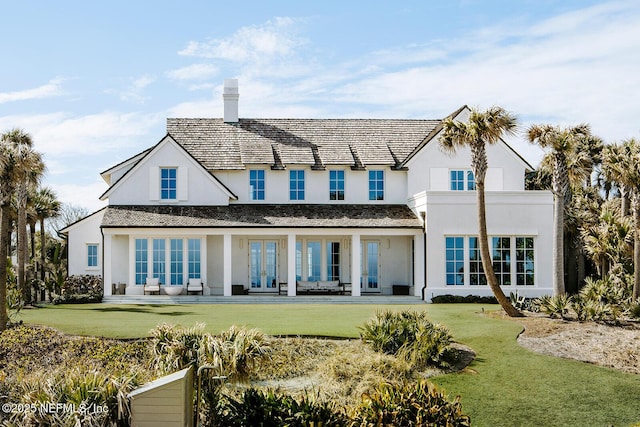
(73, 397)
(80, 289)
(406, 404)
(634, 309)
(270, 409)
(555, 306)
(232, 354)
(468, 299)
(409, 335)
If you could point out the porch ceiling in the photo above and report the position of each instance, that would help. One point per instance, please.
(262, 216)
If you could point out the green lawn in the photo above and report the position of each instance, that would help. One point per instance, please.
(505, 386)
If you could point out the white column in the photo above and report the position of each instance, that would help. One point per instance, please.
(418, 264)
(355, 265)
(227, 267)
(106, 264)
(291, 265)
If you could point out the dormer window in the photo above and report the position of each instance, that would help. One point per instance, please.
(168, 183)
(462, 180)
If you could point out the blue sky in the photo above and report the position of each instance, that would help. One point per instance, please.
(94, 82)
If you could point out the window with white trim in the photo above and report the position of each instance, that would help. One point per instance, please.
(462, 180)
(296, 184)
(454, 256)
(376, 185)
(168, 183)
(256, 184)
(336, 185)
(92, 255)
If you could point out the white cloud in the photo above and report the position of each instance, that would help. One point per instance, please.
(193, 72)
(273, 39)
(577, 67)
(134, 91)
(51, 89)
(62, 134)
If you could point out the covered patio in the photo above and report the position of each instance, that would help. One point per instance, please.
(265, 249)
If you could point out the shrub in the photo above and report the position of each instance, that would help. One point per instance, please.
(232, 354)
(555, 306)
(418, 404)
(469, 299)
(90, 398)
(634, 309)
(258, 408)
(407, 334)
(80, 289)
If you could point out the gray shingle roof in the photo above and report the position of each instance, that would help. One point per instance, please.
(263, 216)
(218, 145)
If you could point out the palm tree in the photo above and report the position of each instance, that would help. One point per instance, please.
(7, 187)
(29, 168)
(482, 128)
(46, 206)
(562, 143)
(625, 170)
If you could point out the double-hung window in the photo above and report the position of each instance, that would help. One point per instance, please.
(194, 258)
(296, 185)
(376, 185)
(525, 266)
(142, 264)
(336, 185)
(476, 271)
(256, 184)
(92, 255)
(176, 262)
(462, 180)
(159, 260)
(501, 258)
(454, 255)
(168, 183)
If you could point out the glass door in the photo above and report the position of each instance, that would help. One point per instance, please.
(263, 263)
(370, 256)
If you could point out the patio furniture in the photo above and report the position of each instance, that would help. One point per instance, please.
(195, 285)
(173, 290)
(319, 287)
(152, 285)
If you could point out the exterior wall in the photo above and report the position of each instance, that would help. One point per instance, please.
(429, 169)
(528, 214)
(142, 185)
(120, 258)
(84, 232)
(317, 185)
(215, 265)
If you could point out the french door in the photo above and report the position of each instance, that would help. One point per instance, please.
(370, 268)
(263, 265)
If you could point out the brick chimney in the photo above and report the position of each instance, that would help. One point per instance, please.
(230, 97)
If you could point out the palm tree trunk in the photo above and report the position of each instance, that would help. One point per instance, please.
(22, 254)
(483, 242)
(558, 245)
(43, 249)
(636, 245)
(4, 225)
(32, 238)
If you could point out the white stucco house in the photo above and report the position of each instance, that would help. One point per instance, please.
(264, 204)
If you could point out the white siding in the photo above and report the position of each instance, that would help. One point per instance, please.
(142, 185)
(528, 214)
(317, 185)
(84, 232)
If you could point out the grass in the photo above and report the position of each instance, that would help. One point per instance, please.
(506, 385)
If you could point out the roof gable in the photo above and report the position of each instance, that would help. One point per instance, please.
(167, 140)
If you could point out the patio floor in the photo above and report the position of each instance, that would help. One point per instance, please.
(262, 299)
